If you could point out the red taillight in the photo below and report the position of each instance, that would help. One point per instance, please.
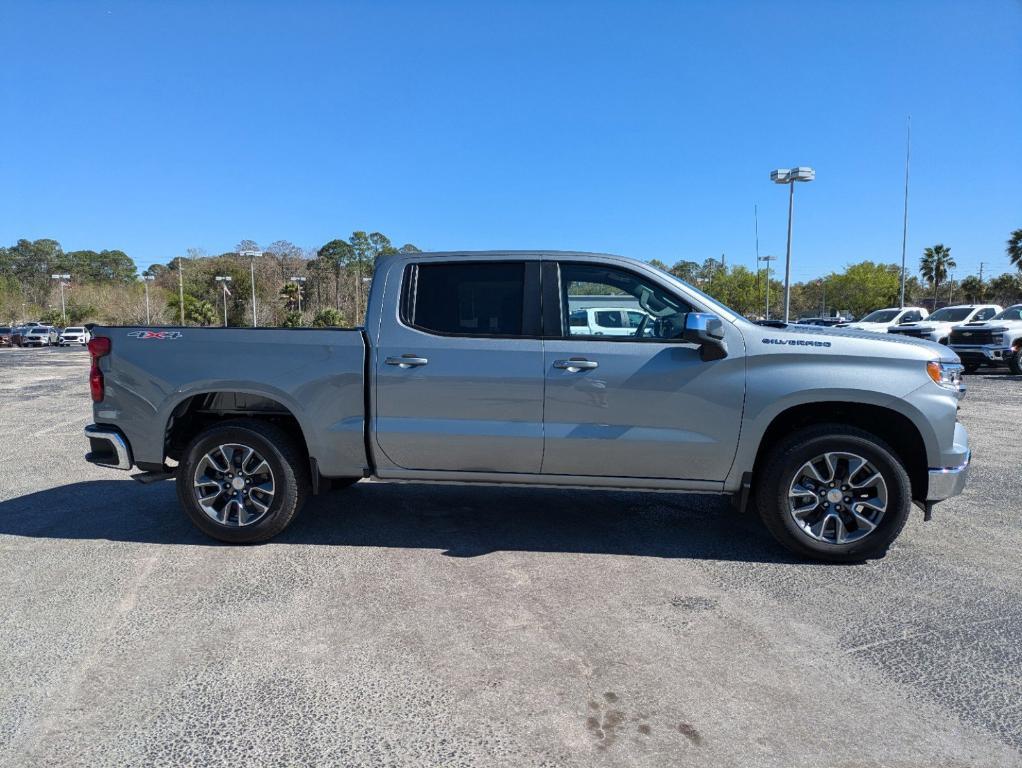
(98, 347)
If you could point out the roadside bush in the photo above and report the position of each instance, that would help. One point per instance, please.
(328, 318)
(292, 320)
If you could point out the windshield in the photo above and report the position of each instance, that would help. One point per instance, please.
(951, 314)
(73, 330)
(1011, 313)
(714, 304)
(880, 316)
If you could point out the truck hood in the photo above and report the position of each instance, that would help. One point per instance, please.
(923, 324)
(867, 326)
(993, 325)
(910, 346)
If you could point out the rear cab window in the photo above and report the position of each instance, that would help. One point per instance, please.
(457, 298)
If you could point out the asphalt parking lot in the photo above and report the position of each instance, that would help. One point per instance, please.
(437, 625)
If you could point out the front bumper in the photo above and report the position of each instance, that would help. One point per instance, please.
(108, 447)
(945, 482)
(987, 353)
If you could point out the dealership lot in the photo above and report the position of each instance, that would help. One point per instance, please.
(429, 625)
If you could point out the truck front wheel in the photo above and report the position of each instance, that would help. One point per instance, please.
(1015, 363)
(242, 481)
(834, 492)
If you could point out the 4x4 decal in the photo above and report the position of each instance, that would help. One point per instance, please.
(155, 334)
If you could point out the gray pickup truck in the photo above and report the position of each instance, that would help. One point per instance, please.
(469, 370)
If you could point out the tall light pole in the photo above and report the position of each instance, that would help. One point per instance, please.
(767, 259)
(300, 282)
(181, 287)
(146, 279)
(904, 223)
(789, 176)
(253, 255)
(223, 280)
(61, 279)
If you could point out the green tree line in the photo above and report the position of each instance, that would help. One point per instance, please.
(328, 286)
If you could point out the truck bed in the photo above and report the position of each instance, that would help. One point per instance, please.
(317, 376)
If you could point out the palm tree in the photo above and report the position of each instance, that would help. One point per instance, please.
(934, 266)
(1014, 249)
(289, 295)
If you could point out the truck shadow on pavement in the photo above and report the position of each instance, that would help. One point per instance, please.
(458, 521)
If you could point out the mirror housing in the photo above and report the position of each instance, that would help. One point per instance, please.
(706, 330)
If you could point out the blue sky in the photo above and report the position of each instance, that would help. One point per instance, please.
(642, 128)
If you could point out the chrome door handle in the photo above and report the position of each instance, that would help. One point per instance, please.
(407, 361)
(576, 364)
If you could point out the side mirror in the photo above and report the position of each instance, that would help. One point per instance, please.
(706, 330)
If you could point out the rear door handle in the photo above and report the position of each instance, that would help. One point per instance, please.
(407, 361)
(576, 364)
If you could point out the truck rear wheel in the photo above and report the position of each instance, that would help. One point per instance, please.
(834, 492)
(242, 481)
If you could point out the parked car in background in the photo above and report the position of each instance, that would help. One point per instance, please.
(881, 319)
(998, 341)
(5, 336)
(609, 321)
(937, 327)
(75, 334)
(37, 336)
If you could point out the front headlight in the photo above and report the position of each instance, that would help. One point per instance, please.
(947, 375)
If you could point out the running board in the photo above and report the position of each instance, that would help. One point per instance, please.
(146, 478)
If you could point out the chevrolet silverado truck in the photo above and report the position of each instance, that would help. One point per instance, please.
(469, 370)
(997, 341)
(938, 326)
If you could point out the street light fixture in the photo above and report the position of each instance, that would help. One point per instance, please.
(146, 279)
(789, 176)
(223, 281)
(254, 255)
(300, 281)
(62, 281)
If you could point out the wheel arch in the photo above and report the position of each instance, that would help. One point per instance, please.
(196, 411)
(896, 429)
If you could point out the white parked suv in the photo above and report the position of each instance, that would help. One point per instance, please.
(609, 321)
(880, 320)
(937, 327)
(37, 336)
(76, 334)
(995, 342)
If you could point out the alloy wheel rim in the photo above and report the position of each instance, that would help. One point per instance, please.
(837, 498)
(233, 485)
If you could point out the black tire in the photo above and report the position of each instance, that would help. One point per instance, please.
(970, 367)
(286, 460)
(786, 459)
(1015, 363)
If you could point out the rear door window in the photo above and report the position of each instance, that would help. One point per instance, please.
(466, 298)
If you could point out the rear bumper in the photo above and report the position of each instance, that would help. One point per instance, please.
(945, 482)
(108, 447)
